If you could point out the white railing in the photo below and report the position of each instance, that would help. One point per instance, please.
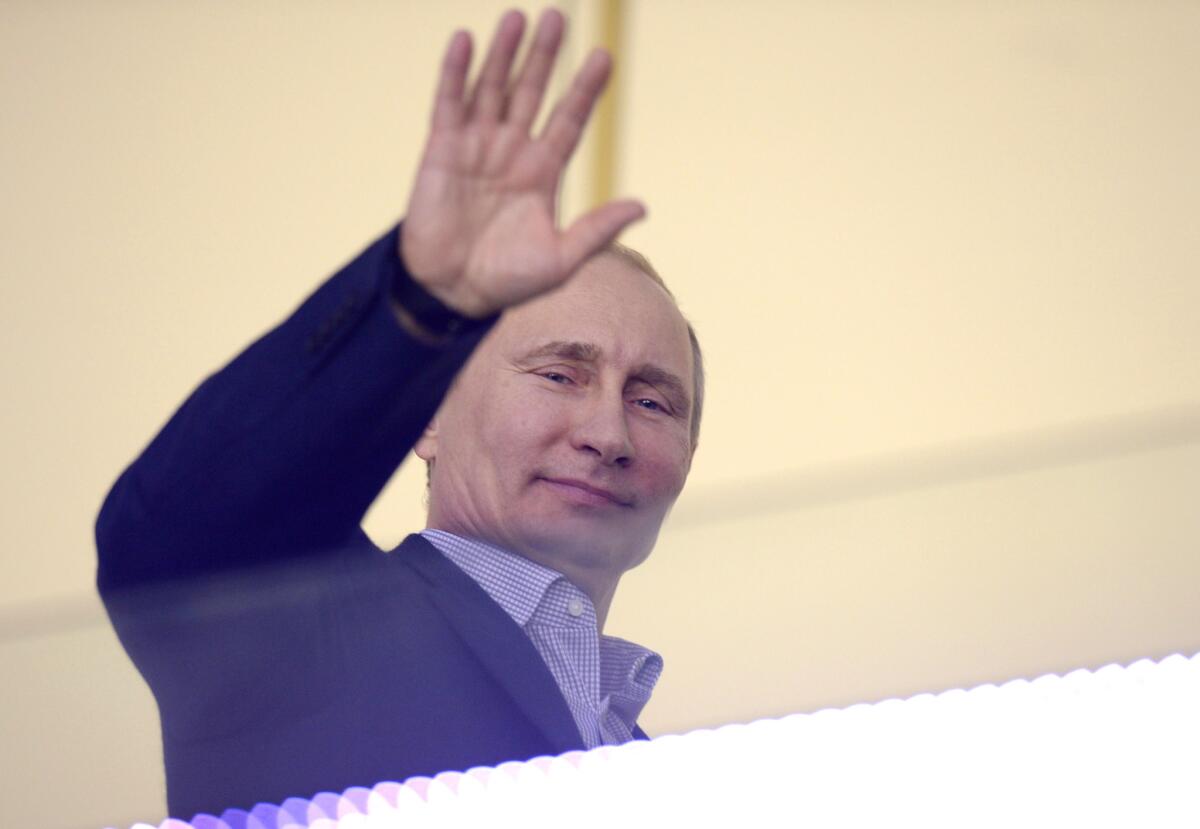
(1115, 747)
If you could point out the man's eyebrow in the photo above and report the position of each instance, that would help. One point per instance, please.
(565, 350)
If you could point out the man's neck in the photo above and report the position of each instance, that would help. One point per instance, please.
(599, 587)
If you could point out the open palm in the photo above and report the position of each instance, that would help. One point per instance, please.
(481, 231)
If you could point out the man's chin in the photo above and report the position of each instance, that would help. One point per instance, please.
(580, 543)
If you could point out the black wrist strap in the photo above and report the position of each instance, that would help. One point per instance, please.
(426, 310)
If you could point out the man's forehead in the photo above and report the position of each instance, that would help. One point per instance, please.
(588, 351)
(559, 339)
(610, 312)
(608, 280)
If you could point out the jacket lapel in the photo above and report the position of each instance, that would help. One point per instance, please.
(496, 641)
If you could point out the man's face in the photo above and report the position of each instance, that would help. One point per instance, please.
(566, 438)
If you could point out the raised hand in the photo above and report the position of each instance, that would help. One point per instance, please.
(481, 232)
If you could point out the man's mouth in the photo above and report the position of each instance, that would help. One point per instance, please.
(584, 493)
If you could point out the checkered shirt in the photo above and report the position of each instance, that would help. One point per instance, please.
(606, 681)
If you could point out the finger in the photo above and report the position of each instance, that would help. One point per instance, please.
(595, 229)
(571, 114)
(487, 102)
(448, 106)
(530, 88)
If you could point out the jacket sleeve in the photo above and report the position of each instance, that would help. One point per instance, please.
(280, 453)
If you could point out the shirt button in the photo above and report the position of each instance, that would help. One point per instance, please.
(575, 607)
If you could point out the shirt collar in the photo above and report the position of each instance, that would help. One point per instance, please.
(531, 593)
(514, 582)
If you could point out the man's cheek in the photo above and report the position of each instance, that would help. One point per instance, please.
(668, 469)
(537, 427)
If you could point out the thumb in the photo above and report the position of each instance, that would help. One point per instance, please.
(595, 229)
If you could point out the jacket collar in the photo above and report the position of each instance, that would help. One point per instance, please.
(495, 640)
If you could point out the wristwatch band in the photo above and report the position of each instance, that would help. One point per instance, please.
(423, 308)
(426, 309)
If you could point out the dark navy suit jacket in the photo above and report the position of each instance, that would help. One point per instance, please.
(289, 655)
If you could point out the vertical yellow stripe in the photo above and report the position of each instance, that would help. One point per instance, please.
(604, 156)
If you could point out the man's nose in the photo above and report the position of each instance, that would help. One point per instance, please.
(603, 430)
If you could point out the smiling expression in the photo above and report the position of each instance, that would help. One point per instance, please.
(566, 437)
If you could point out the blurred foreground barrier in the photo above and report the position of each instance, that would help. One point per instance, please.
(1116, 747)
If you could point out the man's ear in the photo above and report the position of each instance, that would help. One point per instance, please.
(426, 448)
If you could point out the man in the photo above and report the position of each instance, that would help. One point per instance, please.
(288, 654)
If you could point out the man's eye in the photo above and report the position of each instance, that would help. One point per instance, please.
(649, 405)
(556, 377)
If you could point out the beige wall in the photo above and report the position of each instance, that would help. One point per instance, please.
(941, 257)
